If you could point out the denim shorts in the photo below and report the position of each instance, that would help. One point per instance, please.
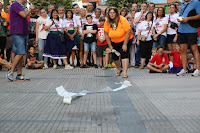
(19, 44)
(92, 45)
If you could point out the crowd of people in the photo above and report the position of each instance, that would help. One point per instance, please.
(87, 37)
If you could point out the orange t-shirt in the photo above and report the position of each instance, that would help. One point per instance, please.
(1, 58)
(3, 14)
(119, 34)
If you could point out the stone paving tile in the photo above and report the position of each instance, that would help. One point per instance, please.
(165, 103)
(172, 103)
(35, 106)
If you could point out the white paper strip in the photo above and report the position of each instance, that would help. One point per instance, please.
(69, 95)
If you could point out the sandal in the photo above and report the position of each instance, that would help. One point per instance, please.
(118, 74)
(141, 67)
(125, 76)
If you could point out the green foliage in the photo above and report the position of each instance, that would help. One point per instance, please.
(66, 3)
(122, 3)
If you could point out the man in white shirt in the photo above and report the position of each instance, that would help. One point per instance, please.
(151, 7)
(97, 16)
(76, 9)
(134, 7)
(139, 17)
(90, 10)
(61, 12)
(50, 8)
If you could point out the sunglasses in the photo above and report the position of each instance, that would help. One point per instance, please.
(124, 7)
(98, 9)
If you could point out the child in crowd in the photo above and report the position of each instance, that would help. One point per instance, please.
(161, 60)
(89, 32)
(153, 52)
(32, 59)
(101, 43)
(4, 64)
(191, 63)
(177, 62)
(72, 28)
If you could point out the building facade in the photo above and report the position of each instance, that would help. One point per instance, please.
(98, 2)
(163, 1)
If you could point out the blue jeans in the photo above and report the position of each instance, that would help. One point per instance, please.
(137, 54)
(92, 45)
(19, 44)
(161, 41)
(41, 44)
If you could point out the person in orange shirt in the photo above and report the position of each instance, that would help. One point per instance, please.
(119, 37)
(8, 15)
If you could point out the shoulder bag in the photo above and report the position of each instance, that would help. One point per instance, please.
(62, 37)
(173, 25)
(142, 37)
(193, 23)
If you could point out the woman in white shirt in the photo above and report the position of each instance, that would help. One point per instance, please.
(145, 30)
(72, 28)
(55, 48)
(41, 35)
(159, 28)
(172, 28)
(81, 22)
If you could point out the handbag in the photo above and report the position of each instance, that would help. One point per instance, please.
(61, 35)
(173, 25)
(193, 23)
(142, 37)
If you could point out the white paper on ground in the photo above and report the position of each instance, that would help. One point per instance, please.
(69, 95)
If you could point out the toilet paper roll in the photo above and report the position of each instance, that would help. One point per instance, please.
(67, 100)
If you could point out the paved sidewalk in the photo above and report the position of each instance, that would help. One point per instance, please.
(156, 103)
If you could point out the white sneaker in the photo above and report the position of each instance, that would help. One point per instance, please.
(196, 73)
(54, 66)
(68, 67)
(9, 76)
(45, 66)
(182, 72)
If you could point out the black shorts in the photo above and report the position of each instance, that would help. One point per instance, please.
(187, 38)
(145, 49)
(118, 47)
(170, 38)
(100, 50)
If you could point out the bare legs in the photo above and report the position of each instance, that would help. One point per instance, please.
(17, 62)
